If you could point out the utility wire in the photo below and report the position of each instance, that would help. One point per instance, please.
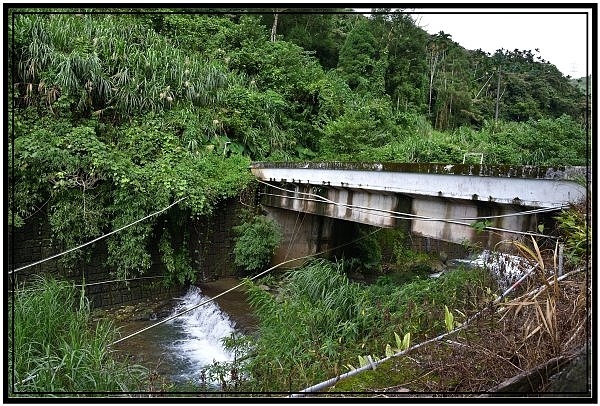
(408, 216)
(39, 208)
(96, 239)
(373, 364)
(33, 376)
(237, 286)
(293, 235)
(362, 208)
(85, 285)
(30, 377)
(296, 233)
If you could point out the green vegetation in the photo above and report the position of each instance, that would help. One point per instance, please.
(118, 115)
(316, 323)
(532, 142)
(576, 231)
(56, 348)
(319, 321)
(256, 241)
(364, 254)
(114, 116)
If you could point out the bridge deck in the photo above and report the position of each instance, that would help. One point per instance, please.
(515, 185)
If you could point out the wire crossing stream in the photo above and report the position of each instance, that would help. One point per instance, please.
(178, 349)
(197, 336)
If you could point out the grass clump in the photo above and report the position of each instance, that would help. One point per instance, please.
(305, 330)
(54, 348)
(320, 321)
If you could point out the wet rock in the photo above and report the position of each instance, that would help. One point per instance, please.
(357, 276)
(143, 315)
(147, 310)
(127, 309)
(443, 257)
(437, 266)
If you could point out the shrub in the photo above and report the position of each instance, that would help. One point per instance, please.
(255, 242)
(365, 253)
(577, 235)
(319, 320)
(303, 334)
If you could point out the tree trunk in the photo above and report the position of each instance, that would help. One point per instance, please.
(274, 27)
(498, 94)
(431, 74)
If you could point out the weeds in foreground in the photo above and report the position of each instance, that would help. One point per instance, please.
(512, 343)
(54, 349)
(515, 345)
(320, 321)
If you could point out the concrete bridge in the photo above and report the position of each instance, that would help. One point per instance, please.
(434, 201)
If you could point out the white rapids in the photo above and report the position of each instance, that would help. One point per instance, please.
(505, 268)
(200, 331)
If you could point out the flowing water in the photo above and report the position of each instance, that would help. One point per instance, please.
(197, 335)
(178, 349)
(505, 268)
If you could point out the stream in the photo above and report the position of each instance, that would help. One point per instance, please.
(178, 349)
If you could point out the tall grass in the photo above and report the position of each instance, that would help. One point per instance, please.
(320, 321)
(305, 330)
(54, 348)
(417, 307)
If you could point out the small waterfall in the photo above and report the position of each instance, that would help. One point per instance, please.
(198, 341)
(505, 268)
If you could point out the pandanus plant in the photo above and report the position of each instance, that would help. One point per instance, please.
(104, 63)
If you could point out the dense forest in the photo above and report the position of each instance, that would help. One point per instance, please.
(118, 113)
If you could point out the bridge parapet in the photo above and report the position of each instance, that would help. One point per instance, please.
(502, 171)
(437, 201)
(530, 186)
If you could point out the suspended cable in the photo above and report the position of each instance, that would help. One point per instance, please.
(333, 381)
(30, 377)
(293, 236)
(237, 286)
(85, 285)
(373, 364)
(96, 239)
(408, 216)
(39, 208)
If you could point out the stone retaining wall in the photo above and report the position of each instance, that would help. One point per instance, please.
(33, 242)
(211, 251)
(212, 241)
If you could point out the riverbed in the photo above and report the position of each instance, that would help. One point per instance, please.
(178, 349)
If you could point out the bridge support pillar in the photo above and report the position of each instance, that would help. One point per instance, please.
(303, 234)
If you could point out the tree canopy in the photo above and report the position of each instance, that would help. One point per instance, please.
(117, 113)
